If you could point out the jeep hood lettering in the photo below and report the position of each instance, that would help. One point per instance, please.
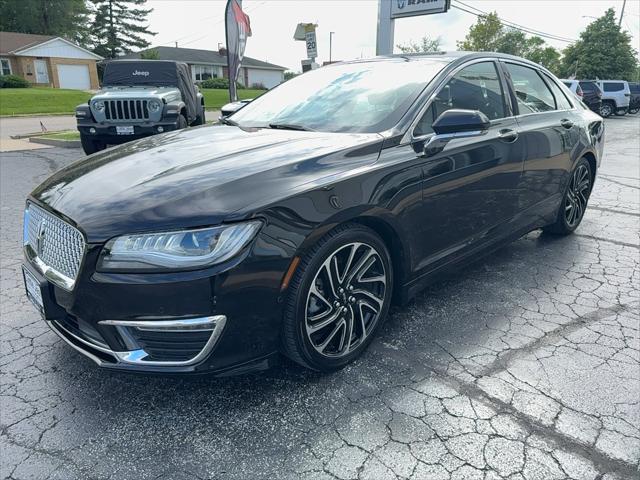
(197, 177)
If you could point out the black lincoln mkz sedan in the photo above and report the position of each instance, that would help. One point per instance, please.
(293, 226)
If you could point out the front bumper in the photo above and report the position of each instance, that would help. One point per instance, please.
(221, 320)
(109, 134)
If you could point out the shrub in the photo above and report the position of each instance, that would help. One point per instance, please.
(221, 83)
(258, 86)
(13, 81)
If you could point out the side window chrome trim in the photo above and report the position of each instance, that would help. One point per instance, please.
(409, 136)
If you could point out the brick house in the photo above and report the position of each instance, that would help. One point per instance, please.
(45, 60)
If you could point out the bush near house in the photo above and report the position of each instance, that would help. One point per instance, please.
(13, 81)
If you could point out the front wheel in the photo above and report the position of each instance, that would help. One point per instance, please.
(91, 145)
(338, 298)
(574, 202)
(634, 110)
(606, 109)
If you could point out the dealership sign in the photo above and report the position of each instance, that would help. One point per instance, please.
(238, 28)
(410, 8)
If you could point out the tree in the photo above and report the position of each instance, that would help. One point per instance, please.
(489, 35)
(427, 44)
(64, 18)
(289, 74)
(603, 51)
(118, 27)
(151, 54)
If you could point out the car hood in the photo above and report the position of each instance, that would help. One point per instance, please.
(197, 177)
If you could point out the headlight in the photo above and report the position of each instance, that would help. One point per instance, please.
(154, 106)
(98, 105)
(179, 250)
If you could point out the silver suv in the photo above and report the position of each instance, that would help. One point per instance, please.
(139, 98)
(615, 97)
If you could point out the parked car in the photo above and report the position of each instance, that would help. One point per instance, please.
(615, 97)
(232, 107)
(139, 98)
(634, 100)
(292, 227)
(574, 86)
(587, 91)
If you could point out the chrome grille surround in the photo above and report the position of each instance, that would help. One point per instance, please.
(54, 246)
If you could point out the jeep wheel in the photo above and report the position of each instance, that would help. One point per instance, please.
(182, 122)
(200, 119)
(91, 145)
(621, 112)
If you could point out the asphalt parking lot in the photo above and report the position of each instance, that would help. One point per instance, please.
(525, 365)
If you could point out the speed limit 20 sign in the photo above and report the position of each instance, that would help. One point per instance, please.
(312, 48)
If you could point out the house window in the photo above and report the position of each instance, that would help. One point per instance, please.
(204, 72)
(5, 66)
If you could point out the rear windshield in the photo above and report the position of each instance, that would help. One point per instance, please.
(634, 87)
(589, 86)
(613, 86)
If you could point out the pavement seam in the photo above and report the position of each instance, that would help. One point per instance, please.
(611, 210)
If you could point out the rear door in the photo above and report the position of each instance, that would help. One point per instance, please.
(546, 122)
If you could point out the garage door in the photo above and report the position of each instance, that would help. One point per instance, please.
(74, 76)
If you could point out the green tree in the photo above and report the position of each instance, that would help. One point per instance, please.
(64, 18)
(151, 54)
(603, 51)
(489, 35)
(118, 27)
(289, 74)
(427, 44)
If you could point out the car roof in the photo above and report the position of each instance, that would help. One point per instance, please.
(444, 56)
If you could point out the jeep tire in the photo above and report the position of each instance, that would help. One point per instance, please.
(91, 144)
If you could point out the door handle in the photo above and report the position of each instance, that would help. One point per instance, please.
(566, 123)
(508, 135)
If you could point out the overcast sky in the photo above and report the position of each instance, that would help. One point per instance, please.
(200, 24)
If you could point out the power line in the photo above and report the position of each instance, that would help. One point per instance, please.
(513, 25)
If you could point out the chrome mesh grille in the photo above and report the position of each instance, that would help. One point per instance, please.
(117, 110)
(57, 244)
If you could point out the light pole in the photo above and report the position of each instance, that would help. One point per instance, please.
(330, 44)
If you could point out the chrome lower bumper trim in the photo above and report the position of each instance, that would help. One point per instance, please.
(215, 324)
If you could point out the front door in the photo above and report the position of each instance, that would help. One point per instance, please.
(470, 189)
(42, 74)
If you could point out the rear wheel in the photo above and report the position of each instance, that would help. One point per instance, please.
(634, 110)
(574, 202)
(621, 111)
(606, 109)
(91, 145)
(339, 297)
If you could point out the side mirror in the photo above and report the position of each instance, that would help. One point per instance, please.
(456, 121)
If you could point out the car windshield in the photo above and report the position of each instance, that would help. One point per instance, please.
(355, 97)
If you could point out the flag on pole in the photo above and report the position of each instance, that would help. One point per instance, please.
(238, 28)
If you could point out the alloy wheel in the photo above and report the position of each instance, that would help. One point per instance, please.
(577, 196)
(605, 110)
(345, 299)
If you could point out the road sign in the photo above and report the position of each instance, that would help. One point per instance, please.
(312, 47)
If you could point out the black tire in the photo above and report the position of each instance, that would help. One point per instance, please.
(182, 122)
(606, 109)
(349, 312)
(575, 197)
(91, 145)
(621, 112)
(634, 110)
(200, 119)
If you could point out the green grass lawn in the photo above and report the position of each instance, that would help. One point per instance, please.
(216, 98)
(21, 101)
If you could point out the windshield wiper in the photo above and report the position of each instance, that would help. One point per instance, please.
(290, 126)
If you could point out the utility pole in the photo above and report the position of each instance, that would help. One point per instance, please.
(176, 44)
(330, 44)
(622, 13)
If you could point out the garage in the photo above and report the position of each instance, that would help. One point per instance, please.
(74, 77)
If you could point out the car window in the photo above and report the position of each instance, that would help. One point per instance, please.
(589, 86)
(476, 87)
(532, 93)
(634, 87)
(613, 86)
(568, 84)
(562, 103)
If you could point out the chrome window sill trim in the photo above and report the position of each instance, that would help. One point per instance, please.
(48, 272)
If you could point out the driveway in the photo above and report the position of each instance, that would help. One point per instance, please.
(523, 366)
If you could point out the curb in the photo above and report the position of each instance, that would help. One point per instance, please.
(54, 142)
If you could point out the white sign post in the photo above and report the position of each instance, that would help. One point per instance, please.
(389, 10)
(312, 47)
